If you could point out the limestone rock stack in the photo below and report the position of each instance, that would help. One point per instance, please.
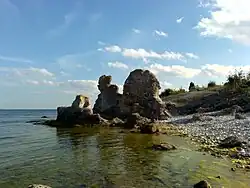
(141, 94)
(108, 101)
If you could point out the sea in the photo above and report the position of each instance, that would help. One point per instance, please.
(101, 157)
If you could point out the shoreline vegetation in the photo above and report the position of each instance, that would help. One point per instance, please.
(221, 109)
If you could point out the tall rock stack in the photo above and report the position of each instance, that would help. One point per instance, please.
(107, 103)
(141, 94)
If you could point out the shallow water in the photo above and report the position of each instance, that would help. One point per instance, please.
(69, 158)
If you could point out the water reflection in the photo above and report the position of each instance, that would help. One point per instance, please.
(109, 158)
(121, 158)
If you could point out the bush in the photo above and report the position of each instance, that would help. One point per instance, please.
(238, 81)
(169, 91)
(191, 87)
(211, 84)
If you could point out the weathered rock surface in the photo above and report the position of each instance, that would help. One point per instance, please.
(164, 147)
(201, 117)
(202, 184)
(231, 142)
(240, 116)
(107, 103)
(79, 112)
(135, 120)
(141, 95)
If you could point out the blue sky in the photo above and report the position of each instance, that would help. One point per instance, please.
(52, 50)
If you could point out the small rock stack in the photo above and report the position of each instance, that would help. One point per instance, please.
(108, 101)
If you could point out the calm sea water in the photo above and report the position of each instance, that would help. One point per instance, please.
(100, 157)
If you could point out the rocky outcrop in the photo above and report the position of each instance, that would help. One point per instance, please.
(79, 112)
(108, 101)
(141, 95)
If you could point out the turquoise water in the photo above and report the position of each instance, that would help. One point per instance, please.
(101, 157)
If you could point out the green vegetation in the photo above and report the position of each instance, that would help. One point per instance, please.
(169, 91)
(211, 84)
(237, 82)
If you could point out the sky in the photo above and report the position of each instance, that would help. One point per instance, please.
(50, 51)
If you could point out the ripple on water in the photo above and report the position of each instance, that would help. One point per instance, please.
(104, 157)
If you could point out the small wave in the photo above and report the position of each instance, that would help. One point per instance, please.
(6, 137)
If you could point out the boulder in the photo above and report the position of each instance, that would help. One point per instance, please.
(231, 142)
(164, 147)
(200, 117)
(116, 122)
(141, 95)
(136, 120)
(107, 103)
(239, 116)
(202, 184)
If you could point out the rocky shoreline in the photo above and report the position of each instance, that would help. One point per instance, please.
(220, 127)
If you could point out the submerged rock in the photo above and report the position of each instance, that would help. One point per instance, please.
(201, 117)
(38, 186)
(202, 184)
(240, 116)
(44, 117)
(231, 142)
(135, 120)
(164, 147)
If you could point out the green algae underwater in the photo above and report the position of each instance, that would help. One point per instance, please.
(111, 157)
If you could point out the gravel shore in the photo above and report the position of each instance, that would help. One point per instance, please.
(213, 130)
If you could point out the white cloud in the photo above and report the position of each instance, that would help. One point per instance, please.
(114, 48)
(223, 70)
(30, 75)
(101, 43)
(147, 55)
(14, 59)
(49, 82)
(42, 71)
(228, 19)
(230, 50)
(118, 65)
(176, 70)
(179, 20)
(33, 82)
(204, 3)
(100, 50)
(64, 73)
(142, 54)
(165, 84)
(82, 83)
(192, 56)
(160, 33)
(137, 31)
